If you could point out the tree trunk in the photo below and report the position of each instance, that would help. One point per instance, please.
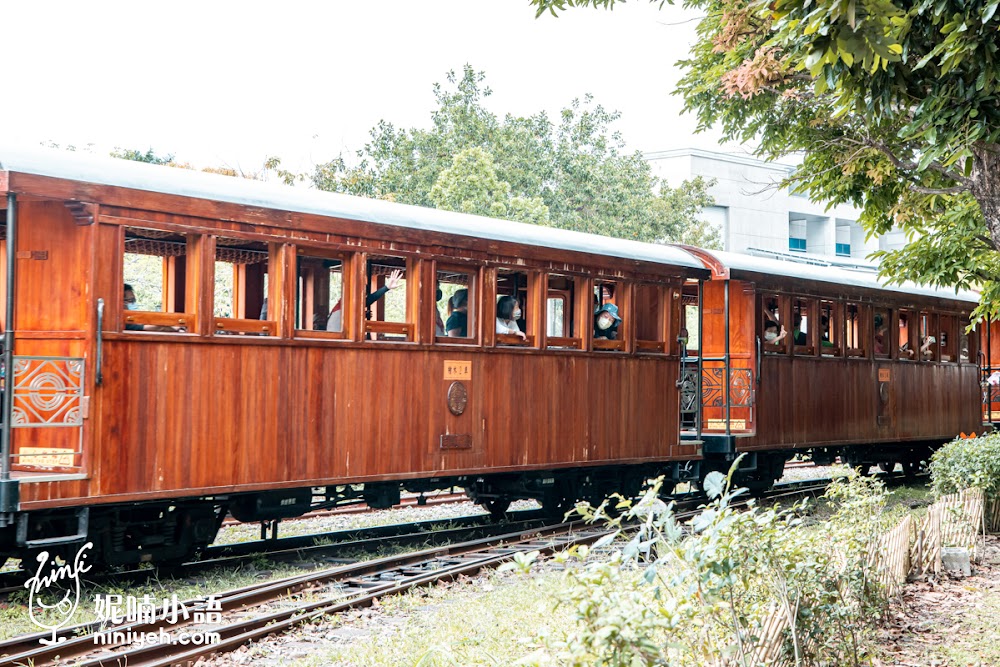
(986, 186)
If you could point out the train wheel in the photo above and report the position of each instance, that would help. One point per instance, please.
(911, 468)
(887, 466)
(497, 507)
(556, 505)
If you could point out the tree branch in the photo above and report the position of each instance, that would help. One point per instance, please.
(954, 190)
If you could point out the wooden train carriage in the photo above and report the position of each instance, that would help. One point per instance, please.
(869, 372)
(266, 366)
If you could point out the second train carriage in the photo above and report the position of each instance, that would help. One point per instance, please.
(875, 374)
(301, 379)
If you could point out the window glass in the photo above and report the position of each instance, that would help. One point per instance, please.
(947, 340)
(966, 341)
(853, 330)
(512, 325)
(830, 332)
(385, 299)
(689, 301)
(560, 301)
(881, 320)
(319, 290)
(154, 272)
(240, 286)
(458, 294)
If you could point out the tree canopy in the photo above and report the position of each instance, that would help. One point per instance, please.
(893, 105)
(573, 173)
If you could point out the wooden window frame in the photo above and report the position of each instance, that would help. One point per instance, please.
(474, 326)
(864, 321)
(887, 322)
(933, 329)
(580, 312)
(947, 324)
(912, 333)
(195, 245)
(347, 297)
(812, 320)
(663, 298)
(406, 329)
(239, 323)
(623, 297)
(491, 294)
(784, 311)
(836, 324)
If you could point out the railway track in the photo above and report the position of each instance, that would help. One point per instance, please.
(252, 612)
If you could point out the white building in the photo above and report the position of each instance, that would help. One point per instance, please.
(756, 216)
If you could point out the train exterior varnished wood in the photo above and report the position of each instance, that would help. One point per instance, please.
(850, 386)
(160, 421)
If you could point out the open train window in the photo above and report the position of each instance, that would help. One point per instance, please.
(651, 312)
(387, 308)
(513, 308)
(803, 315)
(831, 330)
(968, 341)
(458, 289)
(241, 288)
(775, 335)
(930, 348)
(947, 340)
(882, 340)
(321, 310)
(907, 335)
(155, 279)
(854, 338)
(608, 325)
(561, 327)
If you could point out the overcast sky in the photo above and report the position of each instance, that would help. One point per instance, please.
(228, 83)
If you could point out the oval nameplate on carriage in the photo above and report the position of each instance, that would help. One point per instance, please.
(458, 398)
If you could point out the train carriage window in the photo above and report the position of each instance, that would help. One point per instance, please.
(968, 341)
(691, 320)
(387, 308)
(882, 341)
(907, 334)
(775, 334)
(652, 318)
(241, 288)
(320, 305)
(802, 318)
(831, 329)
(155, 276)
(560, 303)
(513, 300)
(458, 289)
(608, 324)
(947, 340)
(854, 338)
(929, 343)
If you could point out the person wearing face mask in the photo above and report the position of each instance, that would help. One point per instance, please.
(457, 325)
(771, 334)
(438, 322)
(606, 322)
(131, 304)
(508, 313)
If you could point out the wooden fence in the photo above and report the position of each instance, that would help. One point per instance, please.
(911, 548)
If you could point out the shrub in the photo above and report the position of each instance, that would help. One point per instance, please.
(967, 463)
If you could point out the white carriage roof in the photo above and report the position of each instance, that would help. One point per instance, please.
(738, 263)
(190, 183)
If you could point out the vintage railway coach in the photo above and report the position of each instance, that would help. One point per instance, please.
(285, 348)
(872, 373)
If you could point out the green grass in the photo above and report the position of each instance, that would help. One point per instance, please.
(488, 621)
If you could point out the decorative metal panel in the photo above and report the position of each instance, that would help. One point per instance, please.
(689, 391)
(47, 392)
(713, 393)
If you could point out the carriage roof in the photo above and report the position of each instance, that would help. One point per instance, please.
(760, 269)
(190, 183)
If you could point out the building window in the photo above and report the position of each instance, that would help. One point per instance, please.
(843, 249)
(797, 245)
